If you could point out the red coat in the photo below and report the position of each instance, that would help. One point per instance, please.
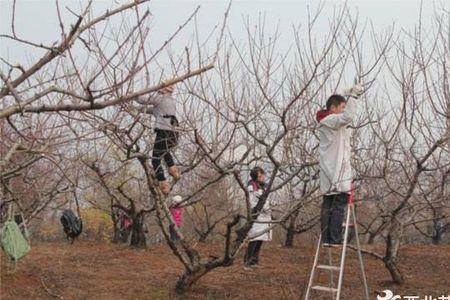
(177, 215)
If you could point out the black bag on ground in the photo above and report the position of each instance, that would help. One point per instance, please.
(72, 224)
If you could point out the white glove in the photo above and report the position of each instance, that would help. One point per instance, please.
(355, 91)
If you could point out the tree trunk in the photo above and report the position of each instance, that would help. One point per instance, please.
(137, 234)
(392, 247)
(202, 237)
(371, 239)
(116, 234)
(290, 234)
(189, 278)
(437, 236)
(391, 265)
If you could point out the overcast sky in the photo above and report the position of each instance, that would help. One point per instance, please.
(36, 19)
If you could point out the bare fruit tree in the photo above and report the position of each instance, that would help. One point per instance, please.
(407, 141)
(70, 124)
(80, 73)
(256, 100)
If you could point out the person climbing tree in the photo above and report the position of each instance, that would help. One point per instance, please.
(334, 161)
(163, 107)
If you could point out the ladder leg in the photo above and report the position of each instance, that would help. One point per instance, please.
(361, 262)
(344, 248)
(330, 262)
(311, 277)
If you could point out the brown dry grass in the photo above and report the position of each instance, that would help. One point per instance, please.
(88, 270)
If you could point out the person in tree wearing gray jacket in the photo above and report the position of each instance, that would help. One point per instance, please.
(163, 107)
(334, 161)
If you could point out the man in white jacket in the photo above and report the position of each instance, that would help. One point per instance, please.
(334, 161)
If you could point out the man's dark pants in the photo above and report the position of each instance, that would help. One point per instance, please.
(332, 216)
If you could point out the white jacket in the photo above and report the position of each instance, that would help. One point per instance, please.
(334, 150)
(261, 223)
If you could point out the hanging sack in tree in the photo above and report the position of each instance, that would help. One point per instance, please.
(13, 242)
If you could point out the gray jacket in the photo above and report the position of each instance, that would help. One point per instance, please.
(163, 107)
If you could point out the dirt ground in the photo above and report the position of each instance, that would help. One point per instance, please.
(88, 270)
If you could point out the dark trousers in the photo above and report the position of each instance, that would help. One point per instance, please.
(173, 234)
(252, 255)
(331, 217)
(164, 142)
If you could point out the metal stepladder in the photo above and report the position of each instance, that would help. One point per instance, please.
(340, 268)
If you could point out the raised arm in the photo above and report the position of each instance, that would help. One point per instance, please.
(148, 99)
(336, 121)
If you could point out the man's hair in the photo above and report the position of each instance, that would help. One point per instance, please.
(335, 100)
(255, 172)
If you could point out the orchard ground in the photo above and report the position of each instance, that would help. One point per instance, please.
(94, 270)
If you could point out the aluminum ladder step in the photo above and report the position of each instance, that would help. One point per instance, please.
(327, 267)
(324, 289)
(336, 292)
(327, 245)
